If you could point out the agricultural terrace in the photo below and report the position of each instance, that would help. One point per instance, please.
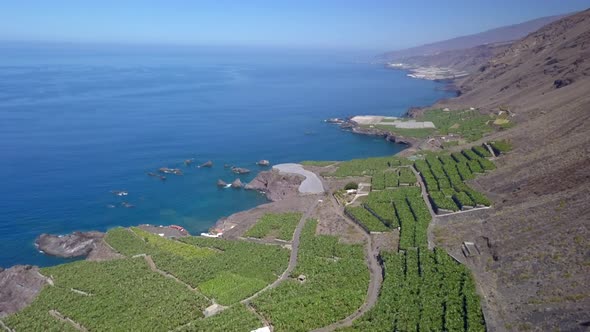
(272, 225)
(444, 177)
(122, 295)
(391, 178)
(500, 146)
(403, 207)
(336, 281)
(471, 125)
(424, 290)
(235, 318)
(368, 166)
(317, 163)
(229, 271)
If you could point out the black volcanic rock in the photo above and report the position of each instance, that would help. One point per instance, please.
(72, 245)
(276, 186)
(19, 285)
(561, 83)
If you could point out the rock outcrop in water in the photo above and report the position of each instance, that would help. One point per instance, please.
(240, 170)
(276, 186)
(19, 285)
(237, 184)
(221, 183)
(77, 244)
(167, 170)
(207, 164)
(263, 162)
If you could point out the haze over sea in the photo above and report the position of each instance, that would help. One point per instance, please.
(78, 122)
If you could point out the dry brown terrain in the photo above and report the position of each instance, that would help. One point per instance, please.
(535, 274)
(469, 60)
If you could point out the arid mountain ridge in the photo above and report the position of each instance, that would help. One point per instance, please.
(536, 271)
(493, 36)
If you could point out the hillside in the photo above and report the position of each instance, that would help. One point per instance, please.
(536, 271)
(468, 60)
(497, 35)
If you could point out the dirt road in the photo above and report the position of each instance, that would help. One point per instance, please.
(375, 271)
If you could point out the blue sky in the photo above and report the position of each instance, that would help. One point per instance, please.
(368, 24)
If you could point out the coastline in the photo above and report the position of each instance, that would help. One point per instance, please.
(430, 73)
(228, 223)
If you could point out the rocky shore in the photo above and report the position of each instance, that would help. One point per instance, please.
(347, 124)
(276, 186)
(77, 244)
(19, 285)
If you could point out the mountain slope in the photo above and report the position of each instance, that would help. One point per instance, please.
(502, 34)
(535, 267)
(467, 60)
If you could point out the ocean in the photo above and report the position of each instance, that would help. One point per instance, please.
(78, 122)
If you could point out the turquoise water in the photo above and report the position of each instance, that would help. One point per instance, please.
(77, 123)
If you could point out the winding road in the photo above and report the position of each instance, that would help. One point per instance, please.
(375, 271)
(292, 264)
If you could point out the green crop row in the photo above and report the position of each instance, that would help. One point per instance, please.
(500, 147)
(228, 288)
(378, 181)
(369, 166)
(122, 295)
(403, 207)
(384, 211)
(444, 178)
(317, 163)
(481, 151)
(174, 247)
(406, 176)
(469, 124)
(280, 226)
(462, 199)
(336, 284)
(250, 266)
(423, 291)
(391, 179)
(366, 219)
(235, 318)
(440, 201)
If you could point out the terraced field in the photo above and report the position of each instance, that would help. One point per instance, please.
(336, 280)
(445, 175)
(120, 295)
(424, 290)
(471, 125)
(165, 284)
(276, 225)
(368, 166)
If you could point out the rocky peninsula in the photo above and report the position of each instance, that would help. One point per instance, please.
(355, 127)
(72, 245)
